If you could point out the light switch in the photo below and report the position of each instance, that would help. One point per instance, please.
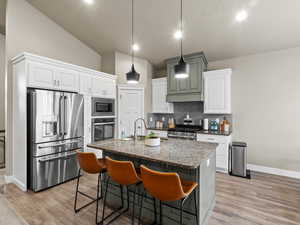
(208, 162)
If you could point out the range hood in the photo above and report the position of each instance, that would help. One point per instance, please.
(189, 89)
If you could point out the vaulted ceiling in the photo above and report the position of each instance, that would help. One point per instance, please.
(209, 25)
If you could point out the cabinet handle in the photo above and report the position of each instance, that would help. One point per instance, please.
(211, 139)
(58, 83)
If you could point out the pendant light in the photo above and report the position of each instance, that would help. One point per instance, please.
(182, 68)
(132, 76)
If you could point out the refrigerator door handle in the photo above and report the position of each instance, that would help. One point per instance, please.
(65, 116)
(61, 110)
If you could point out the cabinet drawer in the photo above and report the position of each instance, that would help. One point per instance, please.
(159, 133)
(213, 138)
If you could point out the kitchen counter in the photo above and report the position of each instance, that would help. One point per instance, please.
(161, 129)
(215, 132)
(192, 160)
(177, 152)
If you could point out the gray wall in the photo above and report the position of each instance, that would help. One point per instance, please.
(266, 106)
(27, 29)
(2, 82)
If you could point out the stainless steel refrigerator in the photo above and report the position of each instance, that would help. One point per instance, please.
(55, 132)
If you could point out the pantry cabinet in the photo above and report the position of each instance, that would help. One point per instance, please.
(159, 97)
(217, 92)
(221, 151)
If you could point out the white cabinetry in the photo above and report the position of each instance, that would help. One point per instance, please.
(159, 97)
(88, 126)
(43, 75)
(217, 92)
(159, 133)
(222, 149)
(103, 87)
(86, 84)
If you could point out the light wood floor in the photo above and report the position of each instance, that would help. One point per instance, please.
(263, 200)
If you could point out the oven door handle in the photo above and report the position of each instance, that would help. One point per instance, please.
(58, 157)
(110, 123)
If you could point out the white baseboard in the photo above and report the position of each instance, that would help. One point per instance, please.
(12, 179)
(275, 171)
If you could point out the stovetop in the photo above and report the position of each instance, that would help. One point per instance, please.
(184, 131)
(186, 128)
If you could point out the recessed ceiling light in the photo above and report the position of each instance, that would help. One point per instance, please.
(178, 34)
(135, 47)
(241, 16)
(90, 2)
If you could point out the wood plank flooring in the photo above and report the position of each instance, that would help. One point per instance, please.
(263, 200)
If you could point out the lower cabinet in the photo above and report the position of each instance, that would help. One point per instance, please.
(222, 149)
(159, 133)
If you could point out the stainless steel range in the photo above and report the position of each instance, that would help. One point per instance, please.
(184, 131)
(55, 131)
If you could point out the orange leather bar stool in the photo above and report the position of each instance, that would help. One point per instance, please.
(124, 174)
(89, 163)
(166, 187)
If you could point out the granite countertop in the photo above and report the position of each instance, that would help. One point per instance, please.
(214, 132)
(178, 152)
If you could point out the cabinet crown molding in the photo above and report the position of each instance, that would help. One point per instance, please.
(55, 62)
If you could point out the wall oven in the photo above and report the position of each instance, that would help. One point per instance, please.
(103, 107)
(103, 128)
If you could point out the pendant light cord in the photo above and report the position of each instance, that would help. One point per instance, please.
(132, 31)
(181, 27)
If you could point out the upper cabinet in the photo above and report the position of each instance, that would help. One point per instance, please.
(55, 75)
(191, 88)
(217, 94)
(159, 97)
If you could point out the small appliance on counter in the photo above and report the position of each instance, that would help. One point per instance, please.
(205, 124)
(238, 160)
(188, 120)
(184, 131)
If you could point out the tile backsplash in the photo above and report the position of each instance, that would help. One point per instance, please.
(181, 109)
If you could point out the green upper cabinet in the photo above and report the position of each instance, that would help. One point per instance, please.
(191, 88)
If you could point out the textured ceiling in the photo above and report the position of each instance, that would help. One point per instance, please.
(2, 15)
(209, 25)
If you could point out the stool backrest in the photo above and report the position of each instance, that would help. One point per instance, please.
(121, 172)
(88, 162)
(163, 186)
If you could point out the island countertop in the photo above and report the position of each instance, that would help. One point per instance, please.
(178, 152)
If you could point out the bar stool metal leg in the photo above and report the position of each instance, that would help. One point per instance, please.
(155, 211)
(76, 194)
(196, 205)
(161, 213)
(97, 204)
(181, 206)
(141, 206)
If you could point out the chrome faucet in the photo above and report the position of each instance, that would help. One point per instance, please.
(135, 133)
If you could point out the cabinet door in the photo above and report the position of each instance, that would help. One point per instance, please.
(217, 96)
(159, 97)
(41, 76)
(85, 83)
(222, 157)
(172, 81)
(68, 80)
(104, 87)
(159, 133)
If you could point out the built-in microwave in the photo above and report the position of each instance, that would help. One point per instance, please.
(103, 107)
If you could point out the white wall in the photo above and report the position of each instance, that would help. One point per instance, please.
(27, 29)
(266, 106)
(119, 64)
(2, 82)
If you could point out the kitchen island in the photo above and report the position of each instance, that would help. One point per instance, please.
(192, 160)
